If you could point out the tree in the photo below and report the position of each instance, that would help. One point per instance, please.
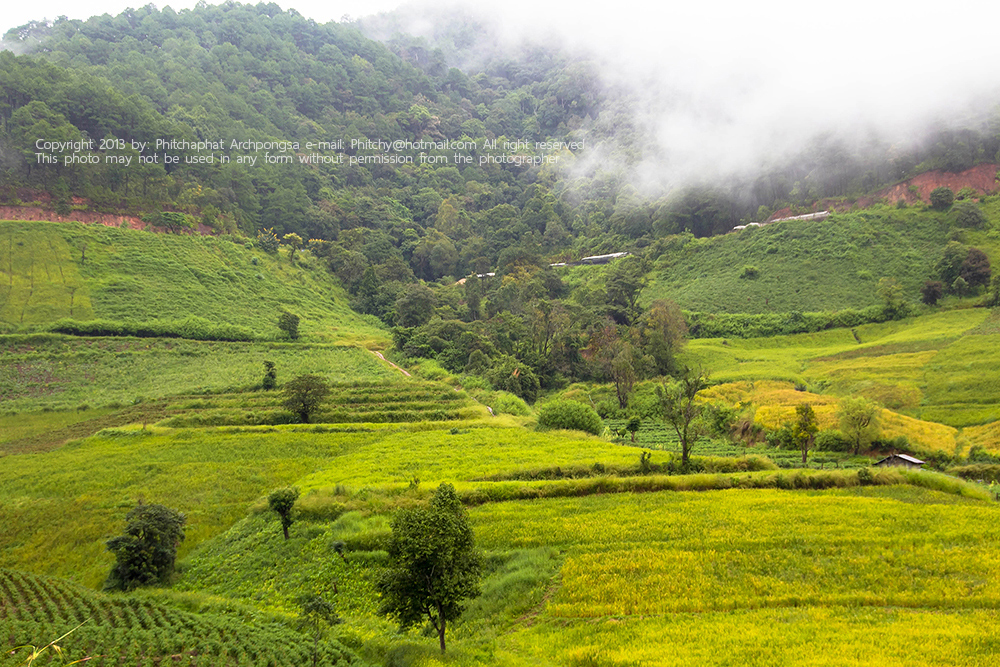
(679, 409)
(942, 198)
(626, 279)
(931, 292)
(145, 554)
(623, 371)
(289, 323)
(633, 426)
(270, 380)
(804, 429)
(415, 306)
(891, 294)
(435, 565)
(859, 421)
(992, 299)
(510, 374)
(976, 270)
(282, 501)
(968, 214)
(951, 261)
(294, 242)
(663, 333)
(267, 240)
(304, 394)
(175, 222)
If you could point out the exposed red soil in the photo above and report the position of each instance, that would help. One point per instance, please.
(89, 217)
(982, 179)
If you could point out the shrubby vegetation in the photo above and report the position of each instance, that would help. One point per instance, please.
(145, 554)
(570, 415)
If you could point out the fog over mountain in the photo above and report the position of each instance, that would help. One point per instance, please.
(730, 86)
(722, 87)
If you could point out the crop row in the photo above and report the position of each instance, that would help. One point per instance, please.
(125, 631)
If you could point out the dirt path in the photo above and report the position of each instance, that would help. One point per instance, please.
(401, 370)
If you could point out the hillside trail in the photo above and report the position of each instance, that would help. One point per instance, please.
(401, 370)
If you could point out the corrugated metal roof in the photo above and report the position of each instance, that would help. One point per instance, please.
(905, 457)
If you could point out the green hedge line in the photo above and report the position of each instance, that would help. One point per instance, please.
(194, 328)
(762, 325)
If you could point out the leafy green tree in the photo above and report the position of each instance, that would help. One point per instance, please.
(662, 334)
(992, 299)
(950, 264)
(960, 286)
(859, 421)
(679, 408)
(435, 565)
(510, 374)
(267, 240)
(304, 395)
(626, 364)
(571, 415)
(804, 429)
(415, 306)
(632, 426)
(942, 198)
(931, 292)
(891, 294)
(626, 279)
(145, 554)
(281, 502)
(175, 221)
(976, 270)
(270, 380)
(968, 214)
(294, 242)
(289, 323)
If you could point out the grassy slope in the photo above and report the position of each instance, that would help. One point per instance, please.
(570, 580)
(591, 580)
(812, 266)
(49, 371)
(803, 560)
(53, 270)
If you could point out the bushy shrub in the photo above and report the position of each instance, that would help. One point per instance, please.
(968, 214)
(832, 441)
(145, 554)
(267, 241)
(942, 198)
(193, 328)
(570, 415)
(510, 374)
(289, 323)
(505, 403)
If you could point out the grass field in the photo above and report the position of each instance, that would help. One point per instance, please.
(590, 559)
(57, 372)
(50, 271)
(592, 580)
(805, 266)
(634, 565)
